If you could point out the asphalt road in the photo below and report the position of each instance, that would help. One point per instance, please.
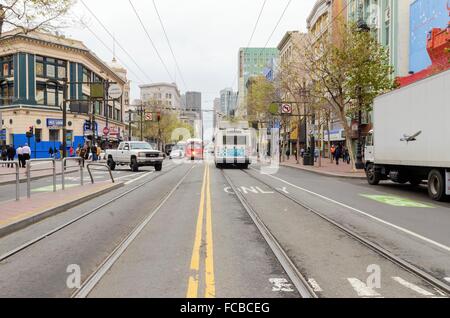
(185, 233)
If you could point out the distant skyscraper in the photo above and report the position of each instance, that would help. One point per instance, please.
(228, 101)
(252, 62)
(217, 111)
(194, 101)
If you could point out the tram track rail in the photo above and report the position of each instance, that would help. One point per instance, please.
(59, 228)
(416, 271)
(91, 282)
(299, 281)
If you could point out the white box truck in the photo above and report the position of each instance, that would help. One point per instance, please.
(409, 141)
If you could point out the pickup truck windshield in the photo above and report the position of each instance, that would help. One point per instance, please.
(141, 146)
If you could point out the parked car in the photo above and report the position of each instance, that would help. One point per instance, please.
(135, 154)
(177, 153)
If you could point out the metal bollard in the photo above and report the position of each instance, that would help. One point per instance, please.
(63, 174)
(17, 181)
(81, 172)
(29, 179)
(54, 176)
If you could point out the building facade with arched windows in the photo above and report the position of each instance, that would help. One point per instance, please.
(37, 70)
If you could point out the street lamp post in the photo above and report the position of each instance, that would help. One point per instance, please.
(64, 111)
(359, 157)
(359, 164)
(1, 117)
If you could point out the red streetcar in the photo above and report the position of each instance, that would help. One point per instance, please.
(194, 149)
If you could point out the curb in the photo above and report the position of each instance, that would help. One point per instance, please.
(326, 174)
(19, 225)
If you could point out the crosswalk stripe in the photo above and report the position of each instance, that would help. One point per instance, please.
(362, 289)
(411, 286)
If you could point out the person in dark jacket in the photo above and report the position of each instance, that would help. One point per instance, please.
(11, 152)
(338, 154)
(50, 152)
(4, 156)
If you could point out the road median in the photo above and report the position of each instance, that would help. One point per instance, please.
(17, 215)
(328, 171)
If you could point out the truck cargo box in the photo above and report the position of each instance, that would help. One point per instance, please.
(421, 109)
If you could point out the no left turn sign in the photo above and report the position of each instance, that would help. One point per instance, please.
(286, 109)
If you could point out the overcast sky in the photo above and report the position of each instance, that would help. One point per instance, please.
(205, 36)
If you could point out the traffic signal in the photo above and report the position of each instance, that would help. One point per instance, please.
(30, 132)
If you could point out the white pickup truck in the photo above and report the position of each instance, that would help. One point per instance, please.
(135, 154)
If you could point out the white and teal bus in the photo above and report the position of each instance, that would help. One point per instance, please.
(233, 145)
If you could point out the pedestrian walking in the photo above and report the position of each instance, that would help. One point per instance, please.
(4, 155)
(78, 151)
(347, 156)
(316, 154)
(99, 152)
(337, 154)
(61, 151)
(11, 152)
(333, 152)
(288, 154)
(19, 152)
(50, 152)
(71, 151)
(26, 154)
(94, 152)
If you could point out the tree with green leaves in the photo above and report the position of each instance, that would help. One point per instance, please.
(261, 94)
(30, 15)
(347, 73)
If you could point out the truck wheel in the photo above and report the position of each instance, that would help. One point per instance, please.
(158, 167)
(111, 164)
(134, 165)
(436, 186)
(373, 177)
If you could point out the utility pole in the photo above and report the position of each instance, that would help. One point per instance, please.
(142, 120)
(129, 125)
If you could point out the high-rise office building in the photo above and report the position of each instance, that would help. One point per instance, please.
(228, 101)
(252, 62)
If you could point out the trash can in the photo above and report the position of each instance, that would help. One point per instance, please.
(308, 159)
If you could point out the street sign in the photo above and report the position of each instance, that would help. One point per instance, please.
(274, 109)
(106, 131)
(115, 91)
(286, 109)
(149, 116)
(97, 90)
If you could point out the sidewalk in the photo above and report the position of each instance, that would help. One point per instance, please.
(16, 215)
(327, 169)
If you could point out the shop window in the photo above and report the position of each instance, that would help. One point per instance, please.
(47, 67)
(51, 71)
(54, 135)
(38, 134)
(7, 93)
(51, 96)
(39, 69)
(40, 95)
(6, 66)
(61, 72)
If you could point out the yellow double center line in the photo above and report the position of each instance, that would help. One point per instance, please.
(193, 284)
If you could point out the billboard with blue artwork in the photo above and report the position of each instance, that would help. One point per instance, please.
(425, 15)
